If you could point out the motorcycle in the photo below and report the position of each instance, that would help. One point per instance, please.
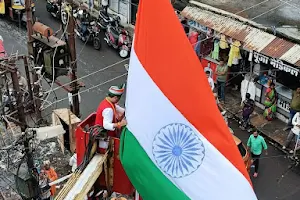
(53, 8)
(105, 19)
(87, 31)
(118, 38)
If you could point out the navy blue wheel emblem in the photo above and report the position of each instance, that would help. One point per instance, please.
(178, 150)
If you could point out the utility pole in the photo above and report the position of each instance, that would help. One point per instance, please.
(36, 87)
(20, 108)
(72, 49)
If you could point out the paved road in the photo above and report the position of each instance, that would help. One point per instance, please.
(89, 61)
(270, 184)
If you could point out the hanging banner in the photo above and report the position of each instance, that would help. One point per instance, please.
(275, 63)
(2, 7)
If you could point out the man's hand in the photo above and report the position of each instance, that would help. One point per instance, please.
(266, 153)
(298, 125)
(123, 122)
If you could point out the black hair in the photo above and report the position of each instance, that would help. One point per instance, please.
(248, 96)
(207, 72)
(221, 59)
(255, 131)
(113, 95)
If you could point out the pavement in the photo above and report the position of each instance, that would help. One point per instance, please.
(278, 176)
(272, 130)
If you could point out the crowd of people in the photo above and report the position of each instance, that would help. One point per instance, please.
(248, 105)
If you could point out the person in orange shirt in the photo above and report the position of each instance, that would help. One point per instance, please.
(52, 175)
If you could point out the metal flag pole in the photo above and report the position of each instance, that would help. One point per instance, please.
(137, 195)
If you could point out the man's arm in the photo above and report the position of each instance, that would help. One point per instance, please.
(264, 144)
(225, 71)
(108, 116)
(249, 143)
(120, 110)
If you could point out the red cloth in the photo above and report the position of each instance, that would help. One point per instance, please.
(193, 38)
(99, 118)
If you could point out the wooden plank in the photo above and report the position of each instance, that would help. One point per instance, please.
(60, 180)
(63, 114)
(72, 121)
(60, 139)
(87, 178)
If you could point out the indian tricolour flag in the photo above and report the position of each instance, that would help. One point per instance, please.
(176, 144)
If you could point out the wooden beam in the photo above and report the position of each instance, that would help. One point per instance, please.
(87, 179)
(60, 180)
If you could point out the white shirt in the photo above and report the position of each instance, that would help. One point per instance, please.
(108, 116)
(104, 2)
(251, 89)
(295, 122)
(211, 83)
(73, 162)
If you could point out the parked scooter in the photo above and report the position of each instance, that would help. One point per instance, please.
(86, 30)
(118, 38)
(105, 19)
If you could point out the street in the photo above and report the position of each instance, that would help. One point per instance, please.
(89, 60)
(275, 180)
(96, 69)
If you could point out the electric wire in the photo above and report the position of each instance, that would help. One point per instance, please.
(88, 89)
(53, 59)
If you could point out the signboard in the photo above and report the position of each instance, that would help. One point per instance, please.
(198, 26)
(284, 105)
(276, 63)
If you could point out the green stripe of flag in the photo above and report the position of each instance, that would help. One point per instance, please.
(149, 181)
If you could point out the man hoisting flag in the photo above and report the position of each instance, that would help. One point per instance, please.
(176, 144)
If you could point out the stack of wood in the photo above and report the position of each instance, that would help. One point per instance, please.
(80, 182)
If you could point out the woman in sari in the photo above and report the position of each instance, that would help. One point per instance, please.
(270, 102)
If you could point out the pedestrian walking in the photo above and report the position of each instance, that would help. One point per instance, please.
(294, 132)
(221, 71)
(248, 108)
(256, 145)
(294, 107)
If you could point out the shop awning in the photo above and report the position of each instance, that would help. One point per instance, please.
(252, 38)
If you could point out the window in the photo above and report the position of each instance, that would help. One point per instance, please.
(242, 149)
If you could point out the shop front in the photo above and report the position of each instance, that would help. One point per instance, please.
(211, 46)
(284, 75)
(247, 50)
(122, 9)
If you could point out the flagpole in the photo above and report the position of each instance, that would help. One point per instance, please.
(137, 195)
